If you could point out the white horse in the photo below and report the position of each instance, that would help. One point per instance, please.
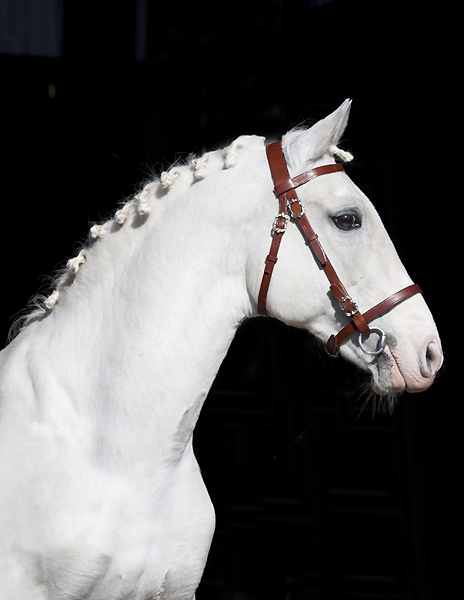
(101, 497)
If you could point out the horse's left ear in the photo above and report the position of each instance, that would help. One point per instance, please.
(304, 146)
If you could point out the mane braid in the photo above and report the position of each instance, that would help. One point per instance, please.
(144, 203)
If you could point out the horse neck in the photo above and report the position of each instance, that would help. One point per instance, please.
(138, 338)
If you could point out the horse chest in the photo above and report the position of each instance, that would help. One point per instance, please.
(94, 535)
(158, 549)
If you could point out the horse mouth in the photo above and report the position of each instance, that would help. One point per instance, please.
(398, 381)
(386, 375)
(394, 374)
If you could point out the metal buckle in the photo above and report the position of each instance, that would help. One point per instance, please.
(292, 214)
(348, 313)
(381, 343)
(276, 229)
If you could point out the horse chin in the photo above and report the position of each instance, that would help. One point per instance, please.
(388, 366)
(387, 383)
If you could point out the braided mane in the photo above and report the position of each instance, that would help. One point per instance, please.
(147, 203)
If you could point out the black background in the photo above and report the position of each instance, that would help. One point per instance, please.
(312, 500)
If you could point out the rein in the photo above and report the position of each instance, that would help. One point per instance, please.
(291, 207)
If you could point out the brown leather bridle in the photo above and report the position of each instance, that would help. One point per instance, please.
(291, 207)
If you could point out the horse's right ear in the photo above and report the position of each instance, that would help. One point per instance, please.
(301, 147)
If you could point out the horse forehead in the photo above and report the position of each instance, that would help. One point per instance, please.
(332, 189)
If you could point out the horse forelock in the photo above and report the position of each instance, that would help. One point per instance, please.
(146, 203)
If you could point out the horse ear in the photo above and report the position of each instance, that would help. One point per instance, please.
(300, 147)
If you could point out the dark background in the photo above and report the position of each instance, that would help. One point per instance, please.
(314, 500)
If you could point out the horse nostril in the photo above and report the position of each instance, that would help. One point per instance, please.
(433, 358)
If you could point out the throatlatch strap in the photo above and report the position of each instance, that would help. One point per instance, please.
(279, 173)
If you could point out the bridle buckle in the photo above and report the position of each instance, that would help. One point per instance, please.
(276, 229)
(348, 312)
(290, 209)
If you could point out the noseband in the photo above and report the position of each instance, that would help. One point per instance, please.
(291, 207)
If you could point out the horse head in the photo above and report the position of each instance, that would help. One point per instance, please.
(349, 232)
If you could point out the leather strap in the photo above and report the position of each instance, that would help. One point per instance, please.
(279, 172)
(285, 190)
(333, 345)
(336, 286)
(288, 199)
(271, 258)
(295, 182)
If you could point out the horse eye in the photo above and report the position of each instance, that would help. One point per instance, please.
(347, 221)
